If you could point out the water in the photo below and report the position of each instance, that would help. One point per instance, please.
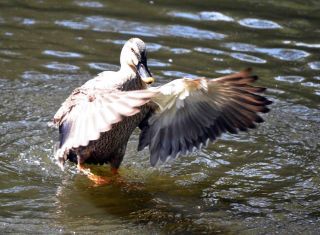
(262, 182)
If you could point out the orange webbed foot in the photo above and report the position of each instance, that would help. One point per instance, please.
(98, 180)
(115, 179)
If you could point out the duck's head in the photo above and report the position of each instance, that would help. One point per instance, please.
(134, 57)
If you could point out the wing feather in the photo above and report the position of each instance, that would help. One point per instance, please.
(192, 112)
(89, 112)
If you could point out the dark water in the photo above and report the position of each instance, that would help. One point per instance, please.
(264, 182)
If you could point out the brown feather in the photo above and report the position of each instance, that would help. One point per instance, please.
(194, 111)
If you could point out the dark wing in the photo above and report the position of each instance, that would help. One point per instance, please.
(89, 112)
(191, 112)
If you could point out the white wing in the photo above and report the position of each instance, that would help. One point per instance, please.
(87, 113)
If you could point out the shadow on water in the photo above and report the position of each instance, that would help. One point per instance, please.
(135, 204)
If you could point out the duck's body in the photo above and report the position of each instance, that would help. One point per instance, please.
(110, 147)
(97, 119)
(108, 142)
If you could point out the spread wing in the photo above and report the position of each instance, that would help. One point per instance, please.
(89, 112)
(191, 112)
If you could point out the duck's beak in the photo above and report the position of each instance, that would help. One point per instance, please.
(145, 73)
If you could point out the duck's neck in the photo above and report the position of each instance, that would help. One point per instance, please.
(132, 80)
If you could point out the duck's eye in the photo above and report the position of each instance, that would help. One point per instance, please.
(135, 53)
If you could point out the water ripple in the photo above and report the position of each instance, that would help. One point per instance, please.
(154, 47)
(103, 66)
(62, 54)
(260, 202)
(103, 24)
(238, 56)
(248, 58)
(254, 172)
(279, 53)
(186, 15)
(34, 75)
(209, 50)
(17, 189)
(284, 54)
(10, 53)
(225, 71)
(289, 79)
(116, 42)
(259, 24)
(311, 84)
(179, 51)
(238, 46)
(61, 66)
(72, 24)
(190, 32)
(204, 15)
(242, 208)
(215, 16)
(157, 63)
(315, 65)
(302, 44)
(151, 47)
(178, 74)
(90, 4)
(28, 21)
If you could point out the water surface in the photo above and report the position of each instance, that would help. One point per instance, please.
(262, 182)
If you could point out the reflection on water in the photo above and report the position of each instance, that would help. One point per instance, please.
(259, 24)
(265, 181)
(279, 53)
(290, 79)
(103, 24)
(205, 15)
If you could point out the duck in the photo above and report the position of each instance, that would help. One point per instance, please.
(96, 121)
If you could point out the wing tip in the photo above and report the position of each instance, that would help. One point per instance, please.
(154, 159)
(61, 156)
